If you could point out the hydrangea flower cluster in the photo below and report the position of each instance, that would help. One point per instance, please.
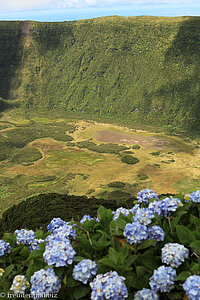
(65, 231)
(25, 236)
(134, 209)
(19, 285)
(55, 223)
(86, 217)
(195, 196)
(34, 244)
(84, 270)
(135, 232)
(155, 208)
(174, 254)
(145, 195)
(156, 232)
(192, 287)
(4, 248)
(58, 251)
(146, 294)
(120, 210)
(163, 279)
(143, 216)
(169, 205)
(44, 282)
(108, 286)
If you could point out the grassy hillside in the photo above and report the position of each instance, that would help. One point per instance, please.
(144, 69)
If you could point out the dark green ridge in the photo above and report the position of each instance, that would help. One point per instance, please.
(37, 211)
(144, 69)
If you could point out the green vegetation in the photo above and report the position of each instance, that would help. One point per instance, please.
(129, 159)
(116, 184)
(157, 153)
(137, 147)
(142, 176)
(26, 156)
(20, 136)
(38, 211)
(101, 148)
(111, 242)
(72, 66)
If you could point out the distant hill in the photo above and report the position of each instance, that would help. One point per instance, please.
(145, 69)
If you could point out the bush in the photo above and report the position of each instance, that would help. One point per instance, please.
(117, 184)
(137, 147)
(129, 159)
(142, 176)
(101, 148)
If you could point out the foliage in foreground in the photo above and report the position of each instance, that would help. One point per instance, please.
(151, 250)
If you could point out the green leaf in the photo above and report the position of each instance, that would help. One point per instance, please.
(81, 292)
(196, 246)
(183, 275)
(71, 282)
(7, 271)
(131, 259)
(108, 262)
(146, 244)
(34, 254)
(123, 253)
(39, 234)
(184, 234)
(105, 216)
(24, 252)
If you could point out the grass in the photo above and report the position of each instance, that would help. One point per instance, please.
(26, 156)
(67, 168)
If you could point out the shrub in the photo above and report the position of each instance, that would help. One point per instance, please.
(129, 159)
(142, 176)
(137, 147)
(116, 184)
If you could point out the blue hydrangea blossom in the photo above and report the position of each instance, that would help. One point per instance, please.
(120, 210)
(156, 232)
(55, 223)
(34, 244)
(44, 282)
(58, 251)
(163, 279)
(195, 196)
(146, 294)
(174, 254)
(145, 195)
(4, 248)
(65, 231)
(169, 205)
(84, 270)
(155, 208)
(134, 209)
(135, 233)
(108, 286)
(192, 287)
(86, 217)
(19, 285)
(25, 236)
(144, 216)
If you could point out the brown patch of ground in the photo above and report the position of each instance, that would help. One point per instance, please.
(124, 138)
(46, 145)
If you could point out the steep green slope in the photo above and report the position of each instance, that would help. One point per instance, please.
(144, 69)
